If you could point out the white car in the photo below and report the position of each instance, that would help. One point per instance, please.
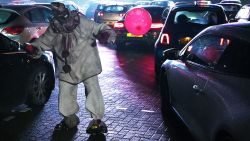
(207, 83)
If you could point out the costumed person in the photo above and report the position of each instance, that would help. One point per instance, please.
(72, 38)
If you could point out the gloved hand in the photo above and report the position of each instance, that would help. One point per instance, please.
(103, 37)
(29, 48)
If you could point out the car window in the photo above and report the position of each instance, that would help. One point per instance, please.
(198, 17)
(244, 13)
(231, 7)
(114, 8)
(206, 50)
(35, 15)
(156, 13)
(47, 15)
(71, 7)
(7, 16)
(236, 59)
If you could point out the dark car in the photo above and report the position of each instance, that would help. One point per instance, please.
(243, 14)
(184, 21)
(231, 9)
(123, 36)
(207, 83)
(23, 79)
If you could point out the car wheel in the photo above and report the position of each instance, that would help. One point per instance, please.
(39, 86)
(165, 96)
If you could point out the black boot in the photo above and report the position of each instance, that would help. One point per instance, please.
(96, 126)
(68, 123)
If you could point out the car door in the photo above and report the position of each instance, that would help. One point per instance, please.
(184, 80)
(202, 102)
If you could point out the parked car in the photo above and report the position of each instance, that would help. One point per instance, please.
(143, 2)
(231, 1)
(231, 9)
(110, 14)
(243, 14)
(24, 23)
(123, 36)
(23, 79)
(184, 21)
(207, 83)
(165, 3)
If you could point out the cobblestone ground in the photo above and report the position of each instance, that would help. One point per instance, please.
(132, 105)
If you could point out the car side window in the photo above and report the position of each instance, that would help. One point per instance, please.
(35, 15)
(236, 59)
(206, 50)
(47, 15)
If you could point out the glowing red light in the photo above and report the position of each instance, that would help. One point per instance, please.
(138, 21)
(165, 39)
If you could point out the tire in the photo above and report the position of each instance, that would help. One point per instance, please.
(39, 86)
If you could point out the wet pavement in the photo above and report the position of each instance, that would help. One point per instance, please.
(132, 104)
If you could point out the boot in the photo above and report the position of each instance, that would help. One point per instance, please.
(96, 126)
(68, 123)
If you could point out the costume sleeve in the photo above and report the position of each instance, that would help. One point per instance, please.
(45, 42)
(99, 28)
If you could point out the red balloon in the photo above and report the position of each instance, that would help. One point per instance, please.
(138, 21)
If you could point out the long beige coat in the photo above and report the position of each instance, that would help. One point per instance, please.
(84, 57)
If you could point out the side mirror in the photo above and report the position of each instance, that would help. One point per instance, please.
(171, 54)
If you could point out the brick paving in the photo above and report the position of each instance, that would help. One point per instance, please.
(132, 105)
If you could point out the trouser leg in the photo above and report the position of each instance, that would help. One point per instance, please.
(94, 99)
(68, 99)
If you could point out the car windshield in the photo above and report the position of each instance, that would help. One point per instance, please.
(198, 17)
(114, 8)
(5, 16)
(162, 3)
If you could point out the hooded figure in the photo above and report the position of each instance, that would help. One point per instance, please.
(72, 38)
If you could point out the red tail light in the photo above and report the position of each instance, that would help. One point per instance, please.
(118, 25)
(100, 14)
(156, 25)
(165, 39)
(13, 30)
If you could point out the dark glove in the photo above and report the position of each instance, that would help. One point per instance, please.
(29, 48)
(103, 37)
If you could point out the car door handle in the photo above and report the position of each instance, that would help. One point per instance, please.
(197, 88)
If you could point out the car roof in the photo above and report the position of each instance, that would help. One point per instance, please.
(20, 7)
(235, 30)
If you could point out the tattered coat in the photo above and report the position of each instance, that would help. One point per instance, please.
(83, 56)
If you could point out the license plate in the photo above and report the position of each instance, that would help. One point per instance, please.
(131, 35)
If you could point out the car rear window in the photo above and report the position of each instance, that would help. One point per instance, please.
(232, 7)
(205, 17)
(156, 12)
(114, 8)
(7, 16)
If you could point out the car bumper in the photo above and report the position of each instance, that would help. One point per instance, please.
(148, 38)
